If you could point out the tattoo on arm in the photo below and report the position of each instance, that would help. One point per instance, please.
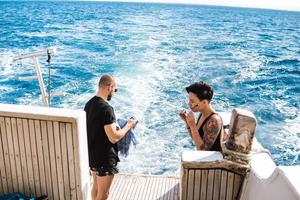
(211, 131)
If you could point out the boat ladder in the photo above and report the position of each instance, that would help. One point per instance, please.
(35, 58)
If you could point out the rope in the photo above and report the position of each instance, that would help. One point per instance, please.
(49, 76)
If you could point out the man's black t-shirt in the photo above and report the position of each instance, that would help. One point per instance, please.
(101, 151)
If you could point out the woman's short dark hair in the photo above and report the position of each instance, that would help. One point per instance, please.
(202, 90)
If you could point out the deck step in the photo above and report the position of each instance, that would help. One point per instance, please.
(144, 187)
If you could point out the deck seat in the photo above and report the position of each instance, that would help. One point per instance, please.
(207, 175)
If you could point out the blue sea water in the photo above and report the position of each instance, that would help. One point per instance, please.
(250, 56)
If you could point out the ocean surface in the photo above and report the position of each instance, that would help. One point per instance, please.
(250, 56)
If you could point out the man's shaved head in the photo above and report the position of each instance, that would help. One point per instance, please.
(106, 80)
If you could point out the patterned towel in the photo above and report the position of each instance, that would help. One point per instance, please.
(125, 142)
(15, 196)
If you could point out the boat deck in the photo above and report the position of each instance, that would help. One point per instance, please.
(143, 187)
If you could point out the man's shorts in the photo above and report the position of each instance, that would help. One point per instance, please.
(107, 170)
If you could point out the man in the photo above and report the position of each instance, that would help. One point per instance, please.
(207, 131)
(103, 134)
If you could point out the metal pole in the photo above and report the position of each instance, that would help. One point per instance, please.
(36, 54)
(40, 79)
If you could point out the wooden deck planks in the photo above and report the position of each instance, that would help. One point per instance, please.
(14, 182)
(129, 187)
(2, 167)
(36, 176)
(75, 138)
(41, 165)
(18, 168)
(223, 185)
(138, 190)
(23, 156)
(46, 155)
(191, 179)
(144, 186)
(71, 164)
(210, 184)
(54, 179)
(64, 158)
(217, 185)
(29, 157)
(59, 161)
(5, 170)
(203, 192)
(236, 186)
(197, 185)
(230, 183)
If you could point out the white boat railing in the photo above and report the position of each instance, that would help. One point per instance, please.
(35, 58)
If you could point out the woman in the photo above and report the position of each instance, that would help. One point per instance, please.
(207, 131)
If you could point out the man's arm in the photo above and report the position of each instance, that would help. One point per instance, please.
(211, 130)
(113, 132)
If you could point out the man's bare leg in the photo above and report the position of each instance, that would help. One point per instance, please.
(94, 186)
(103, 183)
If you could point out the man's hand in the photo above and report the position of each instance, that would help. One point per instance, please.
(131, 123)
(114, 133)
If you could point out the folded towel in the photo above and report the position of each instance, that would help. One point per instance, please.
(125, 142)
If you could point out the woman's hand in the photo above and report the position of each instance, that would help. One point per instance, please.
(190, 120)
(183, 114)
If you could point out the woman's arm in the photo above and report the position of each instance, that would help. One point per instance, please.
(190, 119)
(211, 131)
